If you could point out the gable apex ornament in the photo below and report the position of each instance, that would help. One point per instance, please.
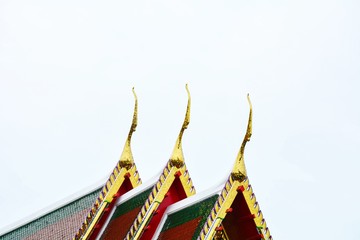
(126, 158)
(239, 170)
(177, 156)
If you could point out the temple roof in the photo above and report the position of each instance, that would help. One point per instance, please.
(231, 212)
(164, 207)
(173, 185)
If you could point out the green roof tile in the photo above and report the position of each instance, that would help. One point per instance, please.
(199, 210)
(134, 202)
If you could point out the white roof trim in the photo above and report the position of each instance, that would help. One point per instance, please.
(53, 207)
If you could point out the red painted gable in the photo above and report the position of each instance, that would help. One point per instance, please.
(175, 194)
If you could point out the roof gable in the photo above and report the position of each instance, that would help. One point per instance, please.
(239, 222)
(237, 198)
(161, 195)
(174, 194)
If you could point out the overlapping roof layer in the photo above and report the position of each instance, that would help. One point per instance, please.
(187, 223)
(124, 215)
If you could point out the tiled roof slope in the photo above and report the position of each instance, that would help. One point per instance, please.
(61, 223)
(187, 223)
(123, 216)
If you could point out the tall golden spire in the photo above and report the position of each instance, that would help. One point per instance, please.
(126, 159)
(177, 156)
(220, 222)
(174, 180)
(113, 188)
(239, 170)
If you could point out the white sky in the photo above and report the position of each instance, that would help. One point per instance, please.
(66, 73)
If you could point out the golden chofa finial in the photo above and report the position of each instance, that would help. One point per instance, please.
(177, 156)
(239, 170)
(126, 159)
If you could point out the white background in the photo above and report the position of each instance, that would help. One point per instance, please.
(66, 73)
